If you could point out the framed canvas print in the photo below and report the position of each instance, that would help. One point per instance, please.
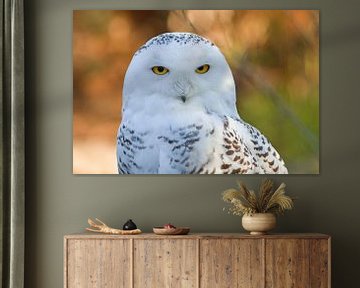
(195, 92)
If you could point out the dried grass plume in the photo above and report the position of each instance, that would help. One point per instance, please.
(267, 200)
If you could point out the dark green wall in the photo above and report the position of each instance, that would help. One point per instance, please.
(58, 202)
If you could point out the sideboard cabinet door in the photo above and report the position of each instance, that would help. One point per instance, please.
(98, 263)
(297, 263)
(320, 263)
(165, 263)
(231, 263)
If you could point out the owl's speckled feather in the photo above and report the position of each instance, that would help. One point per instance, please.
(178, 38)
(184, 122)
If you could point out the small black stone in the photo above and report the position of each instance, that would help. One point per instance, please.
(129, 225)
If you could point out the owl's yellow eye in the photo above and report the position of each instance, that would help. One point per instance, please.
(202, 69)
(160, 70)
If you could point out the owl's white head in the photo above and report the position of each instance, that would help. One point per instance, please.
(179, 70)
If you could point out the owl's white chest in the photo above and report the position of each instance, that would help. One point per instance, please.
(169, 140)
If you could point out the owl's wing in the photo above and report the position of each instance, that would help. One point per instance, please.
(136, 154)
(264, 157)
(221, 145)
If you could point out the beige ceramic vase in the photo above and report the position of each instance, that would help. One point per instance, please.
(259, 223)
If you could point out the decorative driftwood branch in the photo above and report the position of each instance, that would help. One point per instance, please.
(101, 227)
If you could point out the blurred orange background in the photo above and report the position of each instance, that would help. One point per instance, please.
(274, 56)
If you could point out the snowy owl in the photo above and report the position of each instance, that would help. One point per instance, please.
(179, 114)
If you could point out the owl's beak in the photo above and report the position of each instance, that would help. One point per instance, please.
(182, 89)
